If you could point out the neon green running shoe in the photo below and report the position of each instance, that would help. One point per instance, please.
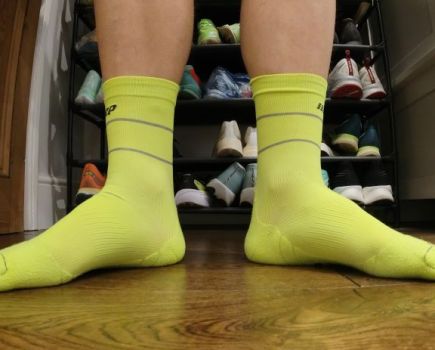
(208, 34)
(230, 33)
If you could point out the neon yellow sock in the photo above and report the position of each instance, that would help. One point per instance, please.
(296, 219)
(133, 221)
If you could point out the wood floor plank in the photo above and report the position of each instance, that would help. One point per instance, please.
(215, 299)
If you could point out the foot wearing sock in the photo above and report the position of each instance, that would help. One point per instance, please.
(296, 220)
(133, 221)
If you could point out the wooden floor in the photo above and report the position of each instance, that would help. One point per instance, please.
(215, 299)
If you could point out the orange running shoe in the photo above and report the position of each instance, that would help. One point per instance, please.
(91, 183)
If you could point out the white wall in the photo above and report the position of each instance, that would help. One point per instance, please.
(410, 30)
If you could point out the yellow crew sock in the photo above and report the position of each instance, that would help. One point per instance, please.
(133, 221)
(296, 220)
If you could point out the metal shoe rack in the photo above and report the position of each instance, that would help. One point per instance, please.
(214, 112)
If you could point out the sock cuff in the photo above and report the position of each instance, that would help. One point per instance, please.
(141, 86)
(292, 82)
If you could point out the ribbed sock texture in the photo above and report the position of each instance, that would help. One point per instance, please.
(133, 221)
(296, 219)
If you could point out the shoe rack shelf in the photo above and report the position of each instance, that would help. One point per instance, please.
(202, 112)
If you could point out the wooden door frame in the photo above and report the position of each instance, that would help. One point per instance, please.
(16, 106)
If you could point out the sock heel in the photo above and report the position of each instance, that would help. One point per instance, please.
(172, 252)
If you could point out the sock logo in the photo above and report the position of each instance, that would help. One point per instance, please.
(111, 109)
(320, 107)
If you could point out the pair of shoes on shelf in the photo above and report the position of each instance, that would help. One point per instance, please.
(351, 138)
(374, 186)
(223, 84)
(349, 33)
(234, 180)
(91, 91)
(222, 189)
(346, 81)
(91, 183)
(229, 143)
(190, 86)
(208, 34)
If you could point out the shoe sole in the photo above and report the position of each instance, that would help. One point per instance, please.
(221, 192)
(354, 193)
(250, 152)
(247, 197)
(347, 143)
(377, 194)
(229, 147)
(192, 198)
(351, 91)
(227, 34)
(368, 151)
(374, 92)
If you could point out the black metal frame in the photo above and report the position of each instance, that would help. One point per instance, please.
(187, 110)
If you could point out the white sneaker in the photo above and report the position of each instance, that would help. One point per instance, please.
(344, 80)
(371, 84)
(229, 142)
(251, 149)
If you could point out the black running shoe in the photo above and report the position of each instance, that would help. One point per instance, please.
(376, 184)
(346, 182)
(191, 193)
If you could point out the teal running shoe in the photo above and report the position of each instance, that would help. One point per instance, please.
(89, 89)
(325, 177)
(248, 188)
(369, 143)
(208, 34)
(189, 86)
(347, 135)
(230, 33)
(228, 184)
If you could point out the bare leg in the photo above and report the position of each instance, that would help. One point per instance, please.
(133, 220)
(296, 219)
(150, 38)
(287, 36)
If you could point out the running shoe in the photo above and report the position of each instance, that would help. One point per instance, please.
(369, 143)
(228, 184)
(325, 177)
(251, 148)
(89, 89)
(190, 85)
(344, 80)
(376, 185)
(346, 182)
(350, 34)
(230, 34)
(221, 85)
(191, 193)
(371, 84)
(208, 34)
(91, 183)
(229, 142)
(248, 187)
(347, 134)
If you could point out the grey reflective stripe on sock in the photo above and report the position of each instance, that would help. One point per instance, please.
(288, 141)
(130, 120)
(127, 149)
(289, 114)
